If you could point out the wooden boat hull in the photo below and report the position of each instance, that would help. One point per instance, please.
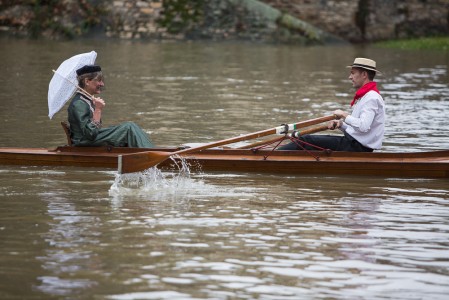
(434, 164)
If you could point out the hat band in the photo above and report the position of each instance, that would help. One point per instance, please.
(364, 66)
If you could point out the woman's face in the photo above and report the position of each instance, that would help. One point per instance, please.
(94, 86)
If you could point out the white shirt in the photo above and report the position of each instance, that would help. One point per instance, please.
(366, 123)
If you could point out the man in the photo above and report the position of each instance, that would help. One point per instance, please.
(364, 127)
(84, 116)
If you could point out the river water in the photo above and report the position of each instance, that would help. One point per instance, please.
(71, 233)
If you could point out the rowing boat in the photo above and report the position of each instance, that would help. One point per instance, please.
(431, 164)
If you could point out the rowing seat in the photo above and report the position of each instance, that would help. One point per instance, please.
(66, 127)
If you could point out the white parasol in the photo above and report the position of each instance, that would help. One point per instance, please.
(63, 84)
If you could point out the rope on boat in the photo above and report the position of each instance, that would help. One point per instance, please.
(300, 143)
(278, 141)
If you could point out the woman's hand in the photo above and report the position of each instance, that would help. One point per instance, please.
(98, 102)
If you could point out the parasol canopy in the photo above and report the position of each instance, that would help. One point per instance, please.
(63, 84)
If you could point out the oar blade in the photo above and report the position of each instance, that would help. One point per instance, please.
(138, 162)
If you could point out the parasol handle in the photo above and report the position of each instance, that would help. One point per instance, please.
(74, 84)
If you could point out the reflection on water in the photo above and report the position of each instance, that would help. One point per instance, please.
(227, 236)
(89, 233)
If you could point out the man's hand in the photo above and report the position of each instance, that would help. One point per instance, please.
(334, 124)
(341, 114)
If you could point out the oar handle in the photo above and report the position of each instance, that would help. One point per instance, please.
(313, 130)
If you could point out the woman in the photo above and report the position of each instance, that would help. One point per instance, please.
(84, 116)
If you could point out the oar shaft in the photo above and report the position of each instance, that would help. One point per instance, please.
(269, 141)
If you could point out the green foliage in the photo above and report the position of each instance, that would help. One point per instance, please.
(49, 16)
(428, 43)
(44, 13)
(92, 13)
(181, 15)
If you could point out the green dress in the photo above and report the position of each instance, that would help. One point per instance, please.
(85, 132)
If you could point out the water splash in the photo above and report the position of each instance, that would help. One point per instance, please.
(179, 186)
(153, 182)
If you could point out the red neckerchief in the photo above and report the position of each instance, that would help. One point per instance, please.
(370, 86)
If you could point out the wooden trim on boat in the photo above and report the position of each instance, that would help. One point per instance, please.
(409, 164)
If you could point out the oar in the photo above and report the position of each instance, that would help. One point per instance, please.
(269, 141)
(137, 162)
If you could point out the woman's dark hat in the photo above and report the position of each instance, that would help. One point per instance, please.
(88, 69)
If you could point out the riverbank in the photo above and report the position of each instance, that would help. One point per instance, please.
(427, 43)
(295, 21)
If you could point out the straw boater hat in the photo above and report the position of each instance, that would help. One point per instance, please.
(365, 63)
